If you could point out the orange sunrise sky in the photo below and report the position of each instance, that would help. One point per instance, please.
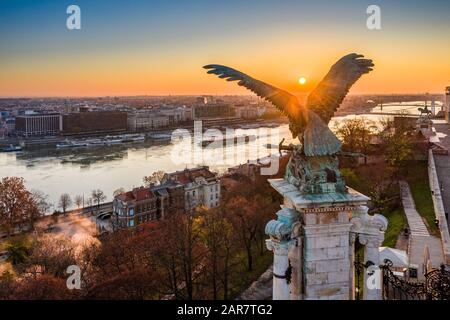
(160, 50)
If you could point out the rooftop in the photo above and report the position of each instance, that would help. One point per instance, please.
(137, 194)
(189, 175)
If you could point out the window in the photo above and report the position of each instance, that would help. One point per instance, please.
(211, 197)
(217, 187)
(131, 212)
(193, 193)
(211, 188)
(131, 223)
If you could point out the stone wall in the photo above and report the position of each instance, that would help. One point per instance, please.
(326, 261)
(439, 206)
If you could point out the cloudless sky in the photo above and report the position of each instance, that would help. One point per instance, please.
(158, 47)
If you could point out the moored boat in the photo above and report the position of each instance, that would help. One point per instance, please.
(160, 136)
(232, 140)
(12, 148)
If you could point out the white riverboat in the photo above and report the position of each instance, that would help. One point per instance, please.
(96, 142)
(229, 141)
(160, 136)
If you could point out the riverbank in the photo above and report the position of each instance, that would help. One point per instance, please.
(36, 142)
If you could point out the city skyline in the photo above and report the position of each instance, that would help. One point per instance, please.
(159, 48)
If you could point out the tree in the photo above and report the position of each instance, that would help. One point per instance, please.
(399, 142)
(249, 206)
(398, 147)
(78, 201)
(41, 200)
(89, 202)
(44, 287)
(216, 233)
(264, 211)
(7, 285)
(136, 284)
(64, 202)
(154, 179)
(121, 267)
(98, 196)
(243, 215)
(18, 208)
(355, 134)
(18, 250)
(180, 255)
(48, 255)
(118, 191)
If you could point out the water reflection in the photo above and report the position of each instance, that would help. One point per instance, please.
(78, 171)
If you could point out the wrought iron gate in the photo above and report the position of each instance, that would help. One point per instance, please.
(435, 287)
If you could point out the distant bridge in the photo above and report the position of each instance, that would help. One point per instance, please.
(392, 114)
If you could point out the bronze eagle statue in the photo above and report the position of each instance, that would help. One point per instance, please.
(308, 122)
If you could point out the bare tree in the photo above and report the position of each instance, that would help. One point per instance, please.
(42, 206)
(98, 196)
(118, 191)
(78, 201)
(154, 179)
(41, 201)
(216, 233)
(64, 202)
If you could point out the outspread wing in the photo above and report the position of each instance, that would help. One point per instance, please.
(284, 101)
(329, 93)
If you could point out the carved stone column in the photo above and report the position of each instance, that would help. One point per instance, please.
(370, 230)
(280, 243)
(372, 274)
(352, 240)
(296, 259)
(281, 269)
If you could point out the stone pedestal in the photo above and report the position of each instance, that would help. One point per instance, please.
(317, 234)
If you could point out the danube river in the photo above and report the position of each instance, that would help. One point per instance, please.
(78, 171)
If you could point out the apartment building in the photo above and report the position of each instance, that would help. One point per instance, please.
(201, 187)
(135, 207)
(38, 124)
(179, 192)
(159, 118)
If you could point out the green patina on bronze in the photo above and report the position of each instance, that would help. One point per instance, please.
(312, 175)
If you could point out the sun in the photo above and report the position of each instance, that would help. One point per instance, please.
(302, 80)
